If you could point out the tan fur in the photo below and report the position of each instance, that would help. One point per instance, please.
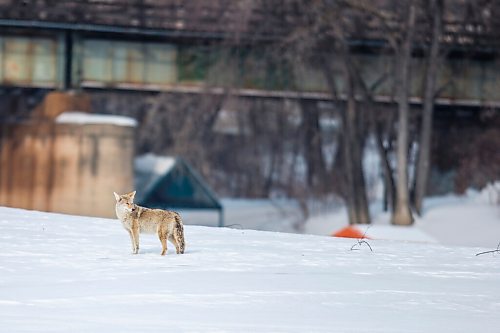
(136, 219)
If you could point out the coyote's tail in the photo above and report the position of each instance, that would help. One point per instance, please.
(179, 233)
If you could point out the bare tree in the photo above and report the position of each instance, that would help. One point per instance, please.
(352, 121)
(316, 169)
(435, 10)
(402, 214)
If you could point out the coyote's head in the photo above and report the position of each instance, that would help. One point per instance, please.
(125, 201)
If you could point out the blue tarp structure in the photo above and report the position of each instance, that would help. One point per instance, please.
(171, 183)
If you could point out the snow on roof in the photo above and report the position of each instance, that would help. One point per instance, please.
(149, 168)
(154, 163)
(83, 118)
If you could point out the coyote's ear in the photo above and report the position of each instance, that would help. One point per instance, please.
(117, 197)
(131, 195)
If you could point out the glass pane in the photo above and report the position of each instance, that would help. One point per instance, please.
(97, 61)
(17, 62)
(44, 61)
(161, 64)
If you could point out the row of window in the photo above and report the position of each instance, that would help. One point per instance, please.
(40, 62)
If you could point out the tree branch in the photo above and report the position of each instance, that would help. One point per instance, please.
(491, 251)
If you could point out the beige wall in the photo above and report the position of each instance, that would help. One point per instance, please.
(67, 168)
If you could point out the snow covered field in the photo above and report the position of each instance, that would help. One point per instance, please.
(472, 219)
(61, 273)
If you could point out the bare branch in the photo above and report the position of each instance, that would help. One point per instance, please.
(491, 251)
(360, 242)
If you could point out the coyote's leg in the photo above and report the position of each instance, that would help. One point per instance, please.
(132, 241)
(163, 239)
(172, 239)
(135, 235)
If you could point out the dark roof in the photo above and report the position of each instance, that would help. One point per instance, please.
(253, 19)
(170, 182)
(216, 18)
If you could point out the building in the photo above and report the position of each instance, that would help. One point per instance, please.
(167, 182)
(183, 46)
(171, 45)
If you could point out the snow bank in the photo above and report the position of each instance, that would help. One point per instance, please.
(61, 273)
(83, 118)
(469, 220)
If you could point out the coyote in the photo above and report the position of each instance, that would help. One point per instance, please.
(135, 219)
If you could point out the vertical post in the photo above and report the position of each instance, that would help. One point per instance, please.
(2, 58)
(221, 217)
(68, 60)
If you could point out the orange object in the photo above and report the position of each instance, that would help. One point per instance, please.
(350, 232)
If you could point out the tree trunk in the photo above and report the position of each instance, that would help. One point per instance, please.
(423, 165)
(313, 145)
(353, 188)
(402, 214)
(353, 160)
(353, 141)
(387, 170)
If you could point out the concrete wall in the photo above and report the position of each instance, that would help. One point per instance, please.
(66, 168)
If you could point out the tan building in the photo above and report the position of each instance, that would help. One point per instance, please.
(67, 162)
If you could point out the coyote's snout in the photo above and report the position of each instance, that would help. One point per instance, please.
(136, 219)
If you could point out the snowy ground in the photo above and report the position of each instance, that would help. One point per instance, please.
(61, 273)
(255, 214)
(472, 219)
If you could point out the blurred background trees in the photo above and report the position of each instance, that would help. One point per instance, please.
(287, 98)
(304, 148)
